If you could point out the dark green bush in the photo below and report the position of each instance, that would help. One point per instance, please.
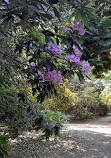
(4, 147)
(102, 109)
(21, 112)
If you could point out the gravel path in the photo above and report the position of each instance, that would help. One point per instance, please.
(86, 139)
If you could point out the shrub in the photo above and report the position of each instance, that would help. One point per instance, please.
(89, 99)
(85, 103)
(62, 101)
(53, 123)
(102, 109)
(4, 147)
(21, 111)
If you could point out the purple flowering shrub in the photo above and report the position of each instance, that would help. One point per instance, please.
(54, 50)
(51, 76)
(77, 54)
(54, 76)
(77, 26)
(83, 65)
(73, 58)
(77, 51)
(44, 48)
(46, 55)
(67, 30)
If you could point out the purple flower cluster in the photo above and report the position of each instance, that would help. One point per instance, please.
(84, 65)
(77, 51)
(32, 65)
(52, 76)
(76, 26)
(79, 27)
(73, 58)
(41, 75)
(67, 30)
(54, 50)
(45, 8)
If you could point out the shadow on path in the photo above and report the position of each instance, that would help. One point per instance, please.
(80, 140)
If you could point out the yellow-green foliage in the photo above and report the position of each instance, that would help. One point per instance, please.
(85, 101)
(62, 101)
(105, 95)
(70, 93)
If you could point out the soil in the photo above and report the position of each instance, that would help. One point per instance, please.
(80, 139)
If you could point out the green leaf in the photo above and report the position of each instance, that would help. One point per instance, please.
(77, 15)
(0, 98)
(42, 40)
(24, 23)
(7, 24)
(57, 14)
(48, 33)
(107, 35)
(84, 20)
(106, 43)
(72, 15)
(80, 75)
(85, 3)
(35, 9)
(47, 16)
(1, 90)
(4, 132)
(105, 22)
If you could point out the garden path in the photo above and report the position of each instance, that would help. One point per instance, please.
(86, 139)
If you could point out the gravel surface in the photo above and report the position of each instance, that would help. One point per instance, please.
(86, 139)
